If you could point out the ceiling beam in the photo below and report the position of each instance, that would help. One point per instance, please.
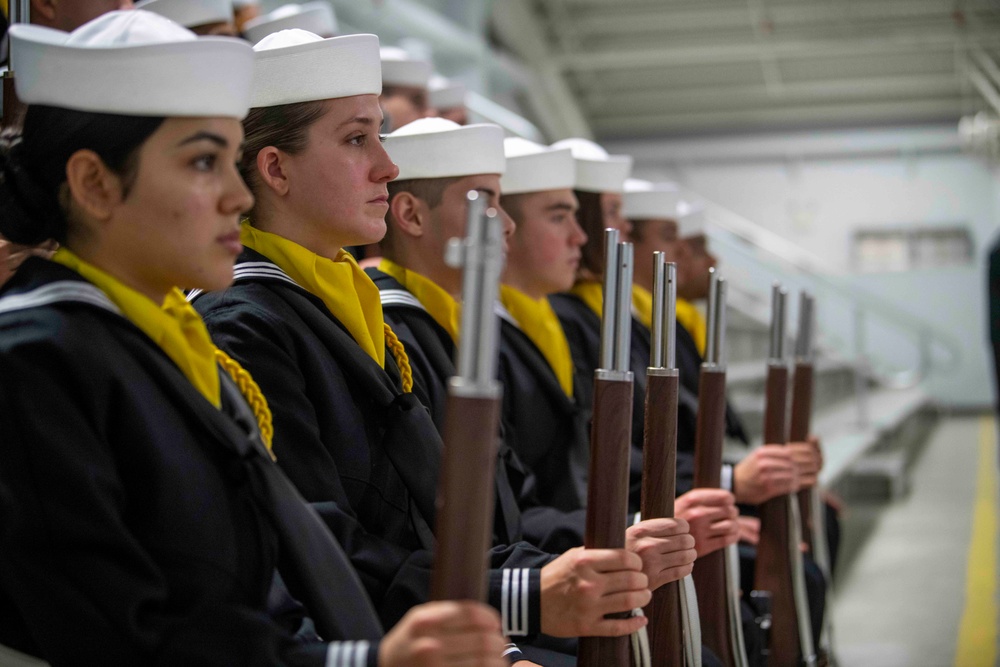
(802, 91)
(785, 117)
(729, 52)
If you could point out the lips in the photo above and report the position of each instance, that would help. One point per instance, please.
(381, 199)
(231, 242)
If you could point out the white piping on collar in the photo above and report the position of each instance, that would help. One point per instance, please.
(61, 291)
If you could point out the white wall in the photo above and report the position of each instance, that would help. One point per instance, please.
(816, 189)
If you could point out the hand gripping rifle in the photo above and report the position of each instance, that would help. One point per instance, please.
(810, 501)
(716, 575)
(779, 566)
(610, 434)
(13, 110)
(674, 630)
(465, 492)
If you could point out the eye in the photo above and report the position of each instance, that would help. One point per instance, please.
(205, 162)
(382, 138)
(357, 140)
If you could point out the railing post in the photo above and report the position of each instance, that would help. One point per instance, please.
(861, 365)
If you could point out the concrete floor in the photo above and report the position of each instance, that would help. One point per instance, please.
(901, 591)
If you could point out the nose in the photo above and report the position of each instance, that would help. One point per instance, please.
(237, 197)
(384, 169)
(509, 226)
(579, 237)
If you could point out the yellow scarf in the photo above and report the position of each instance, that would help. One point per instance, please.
(642, 304)
(592, 294)
(442, 306)
(539, 323)
(175, 326)
(347, 291)
(691, 319)
(687, 314)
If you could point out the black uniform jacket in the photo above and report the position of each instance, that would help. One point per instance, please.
(365, 453)
(583, 331)
(522, 504)
(132, 524)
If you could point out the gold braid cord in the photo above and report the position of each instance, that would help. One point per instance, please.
(402, 359)
(252, 393)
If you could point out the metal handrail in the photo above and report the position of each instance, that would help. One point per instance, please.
(936, 348)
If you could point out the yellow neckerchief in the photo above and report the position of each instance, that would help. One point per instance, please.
(642, 305)
(347, 291)
(442, 306)
(539, 323)
(691, 319)
(4, 8)
(592, 294)
(175, 326)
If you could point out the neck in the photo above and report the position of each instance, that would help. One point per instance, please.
(115, 263)
(419, 261)
(312, 236)
(514, 279)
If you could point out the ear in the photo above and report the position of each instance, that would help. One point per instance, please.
(272, 170)
(45, 9)
(410, 214)
(94, 189)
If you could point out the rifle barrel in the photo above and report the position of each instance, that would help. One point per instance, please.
(464, 524)
(610, 437)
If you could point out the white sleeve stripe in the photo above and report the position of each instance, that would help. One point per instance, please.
(524, 601)
(514, 600)
(510, 649)
(347, 654)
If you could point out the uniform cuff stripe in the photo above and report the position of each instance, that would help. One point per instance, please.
(514, 600)
(347, 654)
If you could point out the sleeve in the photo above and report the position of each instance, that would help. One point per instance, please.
(396, 578)
(85, 587)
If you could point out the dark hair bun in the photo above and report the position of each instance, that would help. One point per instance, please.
(28, 214)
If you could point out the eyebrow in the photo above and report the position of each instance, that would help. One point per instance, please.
(363, 120)
(206, 136)
(559, 207)
(489, 192)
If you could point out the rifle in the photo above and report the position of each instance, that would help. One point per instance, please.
(610, 434)
(810, 502)
(716, 575)
(465, 492)
(779, 566)
(672, 629)
(12, 109)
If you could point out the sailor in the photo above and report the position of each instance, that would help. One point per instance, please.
(420, 292)
(143, 518)
(350, 430)
(317, 17)
(202, 17)
(404, 87)
(447, 96)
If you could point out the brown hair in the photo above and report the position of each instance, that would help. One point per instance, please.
(428, 190)
(591, 220)
(285, 127)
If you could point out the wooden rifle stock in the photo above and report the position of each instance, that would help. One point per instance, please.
(659, 464)
(798, 431)
(779, 561)
(464, 525)
(714, 577)
(610, 437)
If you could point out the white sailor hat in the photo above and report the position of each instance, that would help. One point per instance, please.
(316, 17)
(132, 63)
(439, 148)
(190, 13)
(692, 219)
(532, 167)
(245, 3)
(596, 171)
(644, 200)
(298, 66)
(399, 68)
(444, 93)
